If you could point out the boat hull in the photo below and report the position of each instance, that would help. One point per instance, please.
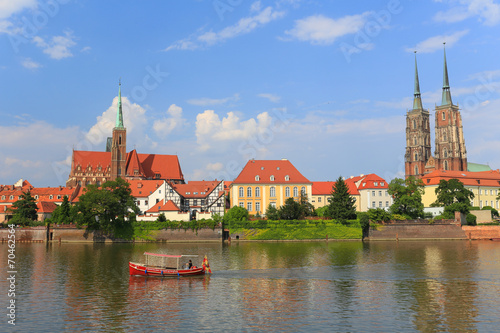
(143, 270)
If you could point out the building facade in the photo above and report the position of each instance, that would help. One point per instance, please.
(268, 182)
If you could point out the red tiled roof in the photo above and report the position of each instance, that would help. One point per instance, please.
(143, 187)
(166, 165)
(46, 207)
(160, 207)
(325, 188)
(133, 164)
(41, 193)
(369, 182)
(481, 178)
(196, 188)
(267, 168)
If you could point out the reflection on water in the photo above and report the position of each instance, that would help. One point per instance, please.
(282, 286)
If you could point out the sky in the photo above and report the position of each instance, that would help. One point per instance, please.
(325, 84)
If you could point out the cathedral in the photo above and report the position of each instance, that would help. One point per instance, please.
(94, 167)
(450, 152)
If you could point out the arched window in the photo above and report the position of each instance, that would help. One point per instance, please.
(120, 140)
(257, 192)
(445, 153)
(241, 192)
(287, 191)
(445, 137)
(249, 192)
(257, 178)
(303, 190)
(414, 124)
(446, 165)
(272, 192)
(416, 169)
(272, 178)
(295, 191)
(416, 156)
(415, 141)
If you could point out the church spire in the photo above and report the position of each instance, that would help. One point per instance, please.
(446, 99)
(119, 114)
(417, 101)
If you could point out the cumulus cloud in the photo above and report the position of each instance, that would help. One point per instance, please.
(7, 8)
(58, 47)
(487, 11)
(213, 101)
(30, 64)
(243, 26)
(165, 126)
(435, 43)
(322, 30)
(210, 129)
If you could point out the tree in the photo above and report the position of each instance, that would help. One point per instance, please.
(453, 196)
(378, 214)
(236, 213)
(272, 213)
(161, 218)
(291, 210)
(110, 208)
(62, 214)
(24, 209)
(306, 206)
(407, 197)
(341, 205)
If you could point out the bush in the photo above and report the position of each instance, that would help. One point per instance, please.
(398, 217)
(471, 219)
(494, 212)
(378, 214)
(428, 215)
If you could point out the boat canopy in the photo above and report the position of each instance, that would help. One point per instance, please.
(169, 255)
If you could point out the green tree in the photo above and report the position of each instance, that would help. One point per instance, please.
(24, 210)
(453, 196)
(62, 214)
(272, 213)
(341, 205)
(236, 213)
(306, 206)
(109, 208)
(407, 197)
(291, 210)
(378, 214)
(322, 211)
(161, 218)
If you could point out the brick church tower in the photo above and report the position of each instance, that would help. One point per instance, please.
(450, 153)
(418, 134)
(119, 143)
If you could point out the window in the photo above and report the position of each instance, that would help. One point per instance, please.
(249, 192)
(273, 204)
(379, 193)
(272, 178)
(287, 191)
(303, 190)
(3, 197)
(445, 153)
(58, 197)
(249, 206)
(240, 190)
(444, 116)
(195, 202)
(146, 202)
(373, 204)
(287, 178)
(375, 184)
(414, 124)
(242, 205)
(157, 200)
(257, 192)
(373, 193)
(480, 203)
(257, 206)
(257, 178)
(382, 184)
(415, 141)
(387, 203)
(445, 137)
(416, 156)
(380, 204)
(446, 165)
(295, 191)
(51, 197)
(272, 192)
(36, 197)
(319, 199)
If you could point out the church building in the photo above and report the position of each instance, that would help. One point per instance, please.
(450, 153)
(94, 167)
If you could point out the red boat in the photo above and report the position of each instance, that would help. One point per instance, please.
(162, 265)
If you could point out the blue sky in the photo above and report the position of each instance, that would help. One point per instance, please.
(325, 84)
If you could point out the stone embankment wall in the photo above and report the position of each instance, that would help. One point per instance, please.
(482, 231)
(402, 231)
(39, 234)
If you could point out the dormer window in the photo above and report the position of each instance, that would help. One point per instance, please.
(36, 197)
(382, 184)
(375, 183)
(277, 168)
(51, 197)
(272, 178)
(262, 168)
(287, 178)
(257, 178)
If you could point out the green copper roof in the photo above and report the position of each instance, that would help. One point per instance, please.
(119, 114)
(417, 101)
(475, 167)
(446, 99)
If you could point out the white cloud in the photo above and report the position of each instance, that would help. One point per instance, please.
(487, 11)
(271, 97)
(243, 26)
(134, 118)
(86, 49)
(165, 126)
(58, 47)
(322, 30)
(213, 101)
(30, 64)
(435, 43)
(9, 7)
(210, 129)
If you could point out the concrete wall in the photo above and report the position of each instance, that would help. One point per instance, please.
(35, 234)
(483, 216)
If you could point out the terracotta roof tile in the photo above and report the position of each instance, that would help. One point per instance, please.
(196, 189)
(265, 169)
(482, 178)
(160, 207)
(325, 188)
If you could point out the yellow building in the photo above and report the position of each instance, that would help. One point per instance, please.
(267, 182)
(484, 185)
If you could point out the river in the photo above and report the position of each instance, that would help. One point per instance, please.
(442, 286)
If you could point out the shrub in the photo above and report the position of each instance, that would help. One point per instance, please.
(398, 217)
(471, 219)
(378, 214)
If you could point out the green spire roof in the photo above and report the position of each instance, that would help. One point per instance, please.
(417, 101)
(446, 99)
(119, 114)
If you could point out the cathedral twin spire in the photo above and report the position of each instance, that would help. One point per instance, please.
(119, 114)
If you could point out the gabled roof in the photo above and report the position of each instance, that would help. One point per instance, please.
(371, 181)
(92, 158)
(196, 189)
(46, 207)
(143, 187)
(133, 164)
(325, 188)
(170, 206)
(484, 178)
(166, 165)
(265, 169)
